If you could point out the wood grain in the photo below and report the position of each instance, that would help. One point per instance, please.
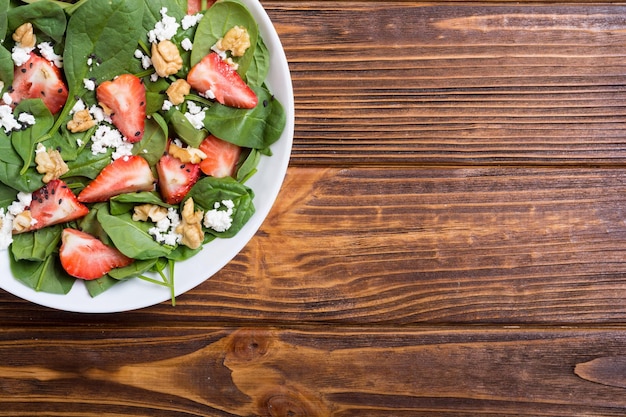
(335, 371)
(456, 83)
(420, 245)
(449, 240)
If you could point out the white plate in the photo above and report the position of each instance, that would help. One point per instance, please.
(266, 183)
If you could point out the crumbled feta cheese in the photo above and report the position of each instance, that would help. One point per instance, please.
(195, 114)
(7, 99)
(219, 51)
(146, 62)
(26, 118)
(218, 219)
(165, 29)
(7, 119)
(48, 52)
(164, 229)
(23, 201)
(78, 106)
(98, 114)
(186, 44)
(89, 84)
(166, 105)
(105, 137)
(208, 94)
(191, 20)
(20, 55)
(6, 227)
(154, 77)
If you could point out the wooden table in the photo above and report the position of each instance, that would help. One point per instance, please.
(449, 241)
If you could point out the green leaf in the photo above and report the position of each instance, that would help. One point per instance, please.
(96, 287)
(134, 269)
(130, 237)
(6, 69)
(37, 245)
(46, 17)
(256, 128)
(4, 8)
(218, 20)
(106, 30)
(24, 141)
(184, 130)
(47, 276)
(154, 141)
(123, 203)
(7, 195)
(260, 65)
(209, 190)
(87, 164)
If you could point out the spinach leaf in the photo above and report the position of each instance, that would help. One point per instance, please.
(11, 165)
(96, 287)
(88, 165)
(220, 18)
(184, 130)
(248, 166)
(4, 8)
(154, 141)
(134, 269)
(6, 68)
(152, 12)
(130, 237)
(209, 190)
(45, 16)
(125, 202)
(256, 128)
(24, 141)
(260, 65)
(46, 276)
(7, 195)
(107, 30)
(89, 224)
(37, 245)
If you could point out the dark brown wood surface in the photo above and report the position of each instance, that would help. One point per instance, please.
(450, 238)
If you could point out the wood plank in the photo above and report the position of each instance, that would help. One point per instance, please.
(456, 83)
(417, 245)
(336, 371)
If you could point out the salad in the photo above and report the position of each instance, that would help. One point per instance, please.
(126, 147)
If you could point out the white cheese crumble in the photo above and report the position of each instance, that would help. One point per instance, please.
(22, 203)
(105, 137)
(89, 84)
(26, 118)
(6, 97)
(186, 44)
(20, 55)
(218, 219)
(164, 230)
(166, 105)
(8, 121)
(46, 50)
(195, 114)
(191, 20)
(146, 62)
(165, 29)
(6, 227)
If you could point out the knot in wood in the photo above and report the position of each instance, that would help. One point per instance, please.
(249, 345)
(288, 403)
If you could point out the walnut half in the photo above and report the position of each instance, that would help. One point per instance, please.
(81, 122)
(177, 91)
(186, 155)
(166, 58)
(50, 163)
(25, 36)
(236, 40)
(190, 226)
(143, 212)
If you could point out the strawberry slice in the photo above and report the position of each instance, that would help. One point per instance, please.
(54, 203)
(125, 98)
(84, 256)
(222, 157)
(123, 175)
(39, 78)
(213, 74)
(176, 178)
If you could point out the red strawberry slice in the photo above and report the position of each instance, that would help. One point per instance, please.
(195, 6)
(39, 78)
(214, 74)
(125, 97)
(84, 256)
(54, 203)
(124, 175)
(222, 157)
(176, 178)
